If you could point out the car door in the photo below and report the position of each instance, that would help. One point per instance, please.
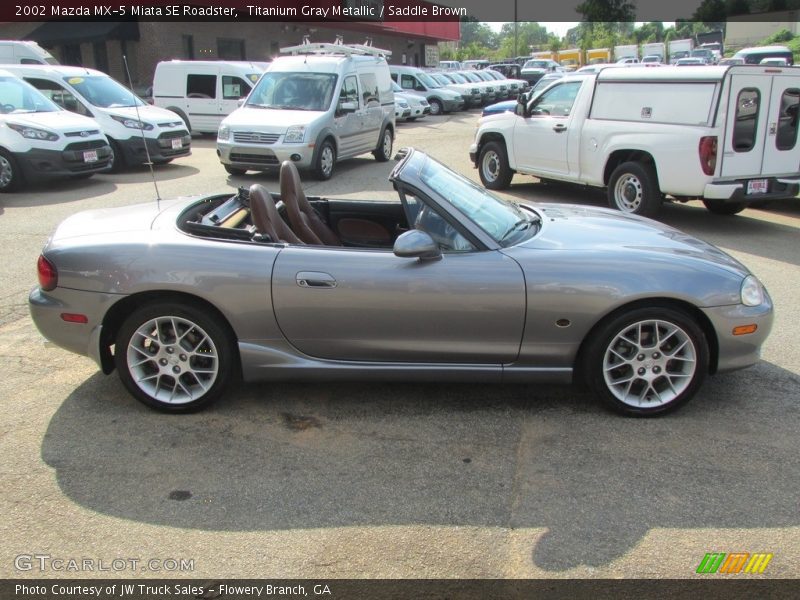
(347, 123)
(781, 152)
(370, 305)
(541, 140)
(232, 89)
(373, 112)
(746, 126)
(202, 98)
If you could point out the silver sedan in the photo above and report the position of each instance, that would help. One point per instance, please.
(447, 283)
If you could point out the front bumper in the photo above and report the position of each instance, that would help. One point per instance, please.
(38, 162)
(740, 351)
(451, 105)
(473, 154)
(168, 145)
(778, 188)
(263, 157)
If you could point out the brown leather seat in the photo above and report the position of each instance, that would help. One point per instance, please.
(306, 222)
(266, 219)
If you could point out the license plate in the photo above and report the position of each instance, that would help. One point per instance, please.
(177, 143)
(90, 156)
(757, 186)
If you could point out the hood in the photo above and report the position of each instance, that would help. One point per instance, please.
(269, 120)
(149, 114)
(446, 93)
(500, 107)
(57, 120)
(572, 227)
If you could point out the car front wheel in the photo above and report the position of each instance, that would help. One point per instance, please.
(173, 357)
(436, 106)
(647, 362)
(493, 166)
(326, 159)
(11, 178)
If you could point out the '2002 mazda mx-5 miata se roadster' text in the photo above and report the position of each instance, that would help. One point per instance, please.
(448, 283)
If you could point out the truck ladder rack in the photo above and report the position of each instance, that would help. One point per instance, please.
(336, 47)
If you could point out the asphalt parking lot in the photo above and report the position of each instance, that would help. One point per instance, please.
(392, 479)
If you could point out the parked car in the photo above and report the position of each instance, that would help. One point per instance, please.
(326, 103)
(533, 70)
(416, 104)
(705, 53)
(515, 86)
(441, 99)
(137, 131)
(467, 90)
(754, 56)
(774, 62)
(651, 59)
(182, 297)
(402, 109)
(499, 107)
(731, 61)
(501, 86)
(23, 52)
(647, 134)
(203, 92)
(691, 61)
(39, 140)
(489, 89)
(510, 70)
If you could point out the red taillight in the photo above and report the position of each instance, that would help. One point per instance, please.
(74, 318)
(48, 275)
(708, 154)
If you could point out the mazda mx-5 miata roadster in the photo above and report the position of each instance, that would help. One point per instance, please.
(447, 283)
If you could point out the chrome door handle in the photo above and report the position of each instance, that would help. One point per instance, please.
(559, 128)
(315, 279)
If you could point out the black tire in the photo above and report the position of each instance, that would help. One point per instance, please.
(720, 207)
(234, 170)
(11, 176)
(117, 162)
(382, 152)
(633, 189)
(437, 108)
(493, 166)
(202, 345)
(675, 367)
(183, 117)
(325, 161)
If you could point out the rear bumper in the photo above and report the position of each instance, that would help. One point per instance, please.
(736, 191)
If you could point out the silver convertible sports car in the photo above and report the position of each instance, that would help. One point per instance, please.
(448, 283)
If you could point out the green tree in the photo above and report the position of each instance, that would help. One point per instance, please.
(607, 10)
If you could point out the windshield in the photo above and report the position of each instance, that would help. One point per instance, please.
(472, 77)
(16, 97)
(103, 91)
(535, 64)
(428, 80)
(293, 91)
(504, 221)
(457, 78)
(441, 79)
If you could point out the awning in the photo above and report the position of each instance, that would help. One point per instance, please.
(54, 33)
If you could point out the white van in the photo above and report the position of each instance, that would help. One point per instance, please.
(126, 119)
(203, 92)
(40, 140)
(18, 52)
(327, 103)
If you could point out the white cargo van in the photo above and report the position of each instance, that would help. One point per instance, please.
(40, 140)
(18, 52)
(203, 92)
(128, 122)
(325, 103)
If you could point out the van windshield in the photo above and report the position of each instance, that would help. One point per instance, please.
(428, 80)
(16, 97)
(293, 91)
(103, 91)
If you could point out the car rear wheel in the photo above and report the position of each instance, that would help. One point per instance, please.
(436, 106)
(173, 357)
(326, 158)
(493, 166)
(11, 178)
(384, 150)
(647, 362)
(633, 188)
(720, 207)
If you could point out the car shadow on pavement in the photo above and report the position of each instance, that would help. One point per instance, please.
(285, 456)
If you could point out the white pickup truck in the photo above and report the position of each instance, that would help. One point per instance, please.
(727, 135)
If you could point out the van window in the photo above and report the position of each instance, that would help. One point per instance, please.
(16, 96)
(349, 90)
(746, 124)
(369, 87)
(201, 86)
(787, 120)
(30, 61)
(293, 91)
(60, 95)
(408, 82)
(234, 88)
(103, 91)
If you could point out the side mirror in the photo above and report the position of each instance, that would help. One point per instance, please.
(521, 108)
(416, 244)
(347, 107)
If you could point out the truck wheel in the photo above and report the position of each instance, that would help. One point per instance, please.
(11, 177)
(720, 207)
(633, 189)
(436, 106)
(493, 166)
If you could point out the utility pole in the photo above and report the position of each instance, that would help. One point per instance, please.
(516, 31)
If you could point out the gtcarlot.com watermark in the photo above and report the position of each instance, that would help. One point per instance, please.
(45, 562)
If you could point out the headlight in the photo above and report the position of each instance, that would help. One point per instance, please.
(224, 132)
(402, 104)
(33, 133)
(132, 123)
(295, 134)
(752, 292)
